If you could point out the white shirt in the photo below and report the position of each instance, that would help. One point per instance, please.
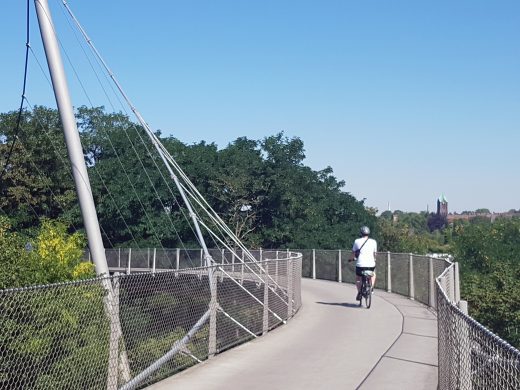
(367, 254)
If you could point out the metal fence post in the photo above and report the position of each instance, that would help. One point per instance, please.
(118, 257)
(339, 266)
(276, 273)
(265, 323)
(411, 284)
(177, 258)
(148, 258)
(242, 268)
(388, 272)
(154, 259)
(118, 359)
(456, 283)
(261, 255)
(213, 306)
(129, 260)
(290, 291)
(464, 341)
(431, 288)
(314, 263)
(223, 255)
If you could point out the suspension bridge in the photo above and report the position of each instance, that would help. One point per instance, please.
(226, 316)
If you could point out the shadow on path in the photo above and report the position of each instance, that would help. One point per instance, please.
(344, 304)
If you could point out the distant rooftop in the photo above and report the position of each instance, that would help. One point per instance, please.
(442, 199)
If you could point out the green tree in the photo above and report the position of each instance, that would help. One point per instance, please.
(37, 181)
(52, 256)
(490, 270)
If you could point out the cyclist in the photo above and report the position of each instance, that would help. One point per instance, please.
(364, 253)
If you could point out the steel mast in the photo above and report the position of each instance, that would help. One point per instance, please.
(75, 151)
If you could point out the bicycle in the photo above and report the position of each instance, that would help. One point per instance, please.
(366, 288)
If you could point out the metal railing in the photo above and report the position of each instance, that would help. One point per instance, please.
(166, 314)
(470, 356)
(400, 273)
(127, 331)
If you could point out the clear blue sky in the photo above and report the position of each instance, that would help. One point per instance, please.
(405, 100)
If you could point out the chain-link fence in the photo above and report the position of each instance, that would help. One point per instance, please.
(470, 356)
(167, 313)
(127, 331)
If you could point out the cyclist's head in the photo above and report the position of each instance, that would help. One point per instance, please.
(365, 231)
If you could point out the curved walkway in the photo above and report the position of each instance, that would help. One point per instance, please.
(331, 343)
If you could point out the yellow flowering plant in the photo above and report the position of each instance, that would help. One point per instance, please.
(59, 254)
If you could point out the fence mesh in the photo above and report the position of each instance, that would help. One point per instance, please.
(133, 329)
(128, 331)
(470, 356)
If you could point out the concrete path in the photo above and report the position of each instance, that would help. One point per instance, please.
(331, 343)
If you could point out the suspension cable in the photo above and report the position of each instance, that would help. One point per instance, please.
(102, 65)
(20, 111)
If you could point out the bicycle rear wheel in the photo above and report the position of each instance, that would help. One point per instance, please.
(362, 289)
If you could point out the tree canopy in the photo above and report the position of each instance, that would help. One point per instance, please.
(261, 188)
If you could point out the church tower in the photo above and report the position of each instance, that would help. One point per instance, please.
(442, 206)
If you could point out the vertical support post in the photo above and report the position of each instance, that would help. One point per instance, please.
(339, 266)
(388, 272)
(154, 260)
(112, 310)
(314, 263)
(178, 258)
(201, 257)
(118, 359)
(265, 323)
(456, 283)
(118, 257)
(148, 258)
(129, 261)
(242, 268)
(223, 255)
(213, 306)
(431, 288)
(290, 292)
(464, 347)
(261, 255)
(463, 306)
(411, 284)
(450, 288)
(276, 266)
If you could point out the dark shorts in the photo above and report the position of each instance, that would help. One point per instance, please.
(361, 269)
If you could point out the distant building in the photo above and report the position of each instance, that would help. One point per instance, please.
(442, 206)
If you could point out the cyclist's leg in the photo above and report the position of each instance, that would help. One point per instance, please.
(358, 283)
(358, 278)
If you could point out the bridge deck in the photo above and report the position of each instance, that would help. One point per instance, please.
(330, 344)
